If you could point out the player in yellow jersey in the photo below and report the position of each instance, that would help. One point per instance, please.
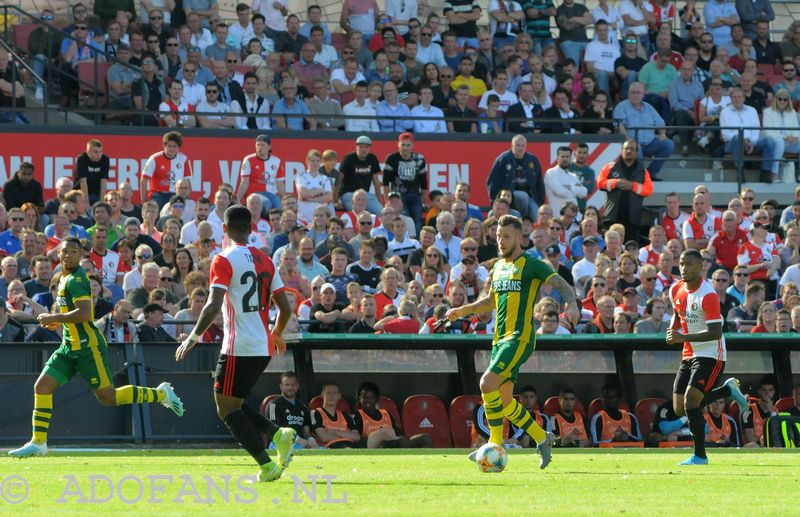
(515, 281)
(83, 351)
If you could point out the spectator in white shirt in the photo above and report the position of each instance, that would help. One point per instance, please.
(254, 104)
(427, 50)
(600, 55)
(584, 269)
(274, 12)
(360, 107)
(326, 55)
(201, 36)
(345, 79)
(506, 97)
(560, 185)
(239, 33)
(212, 105)
(436, 123)
(449, 244)
(739, 115)
(193, 92)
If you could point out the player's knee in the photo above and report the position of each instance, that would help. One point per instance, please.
(489, 383)
(106, 397)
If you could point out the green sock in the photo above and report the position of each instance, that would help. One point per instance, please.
(520, 417)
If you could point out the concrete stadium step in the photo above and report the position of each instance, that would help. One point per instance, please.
(721, 192)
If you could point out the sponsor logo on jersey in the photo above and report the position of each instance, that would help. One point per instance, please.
(503, 286)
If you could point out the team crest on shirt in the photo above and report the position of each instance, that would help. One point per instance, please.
(694, 306)
(615, 174)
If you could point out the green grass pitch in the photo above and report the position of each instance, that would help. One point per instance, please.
(402, 483)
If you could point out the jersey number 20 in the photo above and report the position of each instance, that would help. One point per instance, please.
(257, 287)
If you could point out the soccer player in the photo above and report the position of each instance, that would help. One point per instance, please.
(515, 282)
(697, 323)
(83, 351)
(243, 282)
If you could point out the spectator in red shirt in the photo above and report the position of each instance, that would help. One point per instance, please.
(726, 242)
(404, 323)
(767, 319)
(599, 288)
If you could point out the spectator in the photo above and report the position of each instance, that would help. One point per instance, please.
(753, 13)
(567, 424)
(721, 429)
(720, 16)
(767, 51)
(684, 91)
(738, 116)
(151, 330)
(314, 17)
(405, 322)
(23, 188)
(390, 112)
(784, 128)
(148, 92)
(365, 120)
(701, 225)
(465, 68)
(635, 113)
(656, 76)
(572, 19)
(313, 189)
(293, 112)
(359, 170)
(745, 314)
(360, 17)
(520, 172)
(10, 330)
(632, 181)
(720, 280)
(726, 243)
(654, 322)
(628, 65)
(613, 424)
(790, 46)
(562, 186)
(428, 51)
(366, 318)
(10, 240)
(322, 105)
(429, 119)
(601, 54)
(325, 314)
(766, 321)
(254, 104)
(739, 286)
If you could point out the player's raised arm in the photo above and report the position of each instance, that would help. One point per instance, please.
(570, 301)
(207, 314)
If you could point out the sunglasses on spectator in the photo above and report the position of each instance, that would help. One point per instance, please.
(153, 41)
(166, 279)
(189, 70)
(426, 34)
(231, 60)
(445, 76)
(783, 99)
(748, 198)
(21, 218)
(706, 41)
(177, 205)
(789, 70)
(48, 17)
(144, 257)
(81, 27)
(471, 248)
(651, 278)
(148, 62)
(631, 40)
(172, 44)
(156, 17)
(438, 295)
(599, 284)
(722, 279)
(215, 92)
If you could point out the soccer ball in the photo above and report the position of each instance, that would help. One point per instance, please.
(491, 458)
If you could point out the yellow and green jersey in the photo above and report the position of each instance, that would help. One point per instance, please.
(515, 286)
(71, 289)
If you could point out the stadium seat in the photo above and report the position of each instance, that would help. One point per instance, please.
(427, 414)
(338, 40)
(551, 407)
(389, 405)
(472, 103)
(266, 401)
(645, 412)
(614, 445)
(784, 403)
(21, 34)
(91, 83)
(733, 411)
(597, 404)
(342, 406)
(461, 409)
(766, 69)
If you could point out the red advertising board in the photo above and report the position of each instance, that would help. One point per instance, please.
(217, 159)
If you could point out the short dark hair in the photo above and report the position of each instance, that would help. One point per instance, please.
(238, 218)
(694, 254)
(564, 148)
(368, 386)
(510, 220)
(289, 374)
(565, 391)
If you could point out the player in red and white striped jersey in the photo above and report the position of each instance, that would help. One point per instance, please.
(262, 173)
(244, 282)
(673, 218)
(697, 323)
(701, 225)
(164, 169)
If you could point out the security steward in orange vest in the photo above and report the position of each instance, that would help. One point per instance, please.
(612, 424)
(567, 424)
(376, 426)
(331, 427)
(721, 429)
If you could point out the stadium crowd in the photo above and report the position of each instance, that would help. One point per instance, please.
(363, 254)
(646, 64)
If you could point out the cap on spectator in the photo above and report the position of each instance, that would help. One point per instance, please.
(631, 245)
(363, 140)
(152, 307)
(591, 240)
(769, 202)
(298, 226)
(468, 259)
(392, 194)
(132, 221)
(264, 138)
(405, 136)
(628, 291)
(324, 287)
(553, 249)
(123, 46)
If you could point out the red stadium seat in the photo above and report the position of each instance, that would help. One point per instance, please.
(266, 401)
(389, 405)
(427, 414)
(784, 403)
(472, 103)
(597, 404)
(551, 407)
(91, 82)
(733, 411)
(766, 69)
(461, 409)
(21, 34)
(338, 40)
(645, 412)
(342, 406)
